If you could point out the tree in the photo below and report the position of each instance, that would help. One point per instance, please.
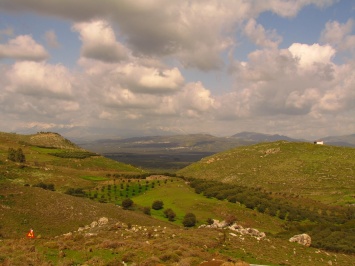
(157, 205)
(16, 155)
(146, 210)
(20, 157)
(189, 220)
(170, 214)
(11, 154)
(127, 203)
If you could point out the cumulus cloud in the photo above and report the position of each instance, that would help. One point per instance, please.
(340, 35)
(23, 47)
(135, 55)
(39, 80)
(194, 32)
(150, 80)
(308, 55)
(195, 100)
(301, 80)
(99, 41)
(256, 33)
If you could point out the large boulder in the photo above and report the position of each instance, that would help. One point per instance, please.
(302, 239)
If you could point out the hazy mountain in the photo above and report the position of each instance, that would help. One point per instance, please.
(175, 143)
(260, 137)
(345, 140)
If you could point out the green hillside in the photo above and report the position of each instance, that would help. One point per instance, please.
(59, 190)
(320, 172)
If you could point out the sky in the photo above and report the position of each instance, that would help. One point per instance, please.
(122, 68)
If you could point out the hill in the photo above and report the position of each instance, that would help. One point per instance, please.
(253, 137)
(320, 172)
(73, 199)
(41, 139)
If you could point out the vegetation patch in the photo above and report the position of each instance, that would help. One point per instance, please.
(94, 178)
(74, 154)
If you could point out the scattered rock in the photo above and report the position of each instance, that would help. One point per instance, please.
(302, 239)
(236, 228)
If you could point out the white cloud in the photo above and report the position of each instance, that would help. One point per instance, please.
(256, 33)
(195, 100)
(39, 80)
(308, 55)
(339, 35)
(193, 32)
(150, 80)
(133, 73)
(301, 80)
(23, 47)
(99, 42)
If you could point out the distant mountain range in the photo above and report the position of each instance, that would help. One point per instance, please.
(196, 143)
(346, 140)
(260, 137)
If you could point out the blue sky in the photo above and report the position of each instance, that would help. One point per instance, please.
(130, 68)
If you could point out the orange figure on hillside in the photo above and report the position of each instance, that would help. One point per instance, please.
(31, 234)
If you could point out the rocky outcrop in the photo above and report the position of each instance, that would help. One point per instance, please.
(236, 228)
(302, 239)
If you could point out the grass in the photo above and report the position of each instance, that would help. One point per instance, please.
(324, 173)
(182, 199)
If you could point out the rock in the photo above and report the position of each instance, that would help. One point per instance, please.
(103, 221)
(68, 234)
(302, 239)
(93, 224)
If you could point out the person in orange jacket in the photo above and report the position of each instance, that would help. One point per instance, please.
(31, 234)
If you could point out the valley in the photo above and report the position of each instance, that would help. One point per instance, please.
(76, 202)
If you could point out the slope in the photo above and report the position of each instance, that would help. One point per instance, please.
(320, 172)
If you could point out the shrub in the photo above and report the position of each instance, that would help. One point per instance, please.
(189, 220)
(45, 186)
(146, 210)
(170, 214)
(209, 221)
(16, 155)
(157, 205)
(127, 203)
(78, 192)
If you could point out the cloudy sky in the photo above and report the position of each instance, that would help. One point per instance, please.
(150, 67)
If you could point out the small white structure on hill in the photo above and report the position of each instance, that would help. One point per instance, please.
(319, 142)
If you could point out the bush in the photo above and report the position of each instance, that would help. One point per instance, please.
(146, 210)
(45, 186)
(127, 203)
(77, 192)
(157, 205)
(170, 214)
(16, 155)
(209, 221)
(189, 220)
